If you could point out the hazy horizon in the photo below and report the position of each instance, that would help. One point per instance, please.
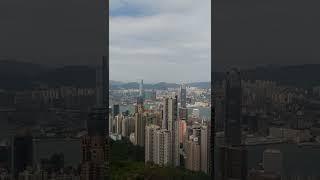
(157, 82)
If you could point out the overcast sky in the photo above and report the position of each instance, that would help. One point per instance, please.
(53, 31)
(251, 33)
(161, 40)
(167, 40)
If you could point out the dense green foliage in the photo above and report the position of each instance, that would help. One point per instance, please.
(129, 170)
(125, 151)
(127, 163)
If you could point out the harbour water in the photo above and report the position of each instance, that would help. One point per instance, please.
(205, 112)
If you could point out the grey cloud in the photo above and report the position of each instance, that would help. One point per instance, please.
(44, 28)
(165, 46)
(252, 33)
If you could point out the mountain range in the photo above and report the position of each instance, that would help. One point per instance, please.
(21, 75)
(304, 76)
(160, 85)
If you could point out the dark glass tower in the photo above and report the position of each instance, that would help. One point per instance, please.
(231, 157)
(183, 96)
(105, 81)
(22, 153)
(95, 145)
(233, 108)
(183, 111)
(141, 90)
(231, 163)
(116, 110)
(97, 122)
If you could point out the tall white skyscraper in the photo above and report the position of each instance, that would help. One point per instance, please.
(162, 147)
(150, 132)
(176, 145)
(126, 126)
(118, 124)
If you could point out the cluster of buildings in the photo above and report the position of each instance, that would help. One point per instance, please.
(30, 174)
(82, 145)
(264, 130)
(168, 134)
(62, 110)
(26, 157)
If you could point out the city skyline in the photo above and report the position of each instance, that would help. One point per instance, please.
(157, 82)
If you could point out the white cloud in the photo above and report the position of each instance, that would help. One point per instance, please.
(169, 40)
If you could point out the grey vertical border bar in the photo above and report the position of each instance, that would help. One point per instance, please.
(106, 87)
(212, 122)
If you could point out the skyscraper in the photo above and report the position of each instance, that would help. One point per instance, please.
(140, 123)
(22, 153)
(183, 111)
(219, 104)
(211, 146)
(170, 122)
(233, 108)
(95, 145)
(231, 163)
(116, 110)
(126, 126)
(141, 90)
(176, 145)
(183, 96)
(102, 82)
(182, 130)
(150, 133)
(97, 122)
(140, 105)
(193, 160)
(118, 123)
(165, 114)
(105, 80)
(162, 147)
(172, 112)
(204, 143)
(105, 76)
(139, 129)
(110, 122)
(173, 127)
(232, 157)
